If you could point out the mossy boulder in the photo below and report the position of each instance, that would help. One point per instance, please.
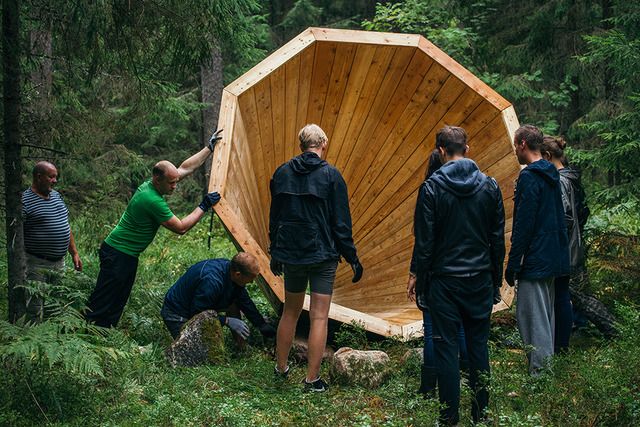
(201, 342)
(368, 369)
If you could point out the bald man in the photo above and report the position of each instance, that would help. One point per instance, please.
(47, 234)
(145, 213)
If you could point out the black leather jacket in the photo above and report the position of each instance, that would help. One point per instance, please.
(459, 224)
(309, 220)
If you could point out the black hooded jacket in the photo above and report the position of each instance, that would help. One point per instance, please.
(459, 223)
(309, 220)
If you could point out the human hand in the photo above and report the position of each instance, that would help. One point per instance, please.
(357, 271)
(411, 287)
(238, 326)
(497, 296)
(510, 277)
(77, 262)
(267, 331)
(209, 200)
(276, 267)
(214, 139)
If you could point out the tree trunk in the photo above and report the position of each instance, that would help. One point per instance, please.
(212, 86)
(13, 157)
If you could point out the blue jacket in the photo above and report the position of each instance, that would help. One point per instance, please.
(207, 285)
(459, 224)
(309, 220)
(539, 243)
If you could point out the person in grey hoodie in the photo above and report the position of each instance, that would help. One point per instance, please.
(309, 229)
(539, 247)
(459, 244)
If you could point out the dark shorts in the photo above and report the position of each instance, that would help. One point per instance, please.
(319, 276)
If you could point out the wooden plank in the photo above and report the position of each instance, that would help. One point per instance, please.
(249, 113)
(278, 113)
(463, 74)
(265, 125)
(410, 158)
(403, 99)
(273, 61)
(373, 37)
(220, 157)
(386, 181)
(375, 77)
(361, 64)
(249, 244)
(357, 164)
(340, 72)
(307, 59)
(322, 64)
(255, 221)
(292, 79)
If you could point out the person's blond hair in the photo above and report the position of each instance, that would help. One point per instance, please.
(311, 136)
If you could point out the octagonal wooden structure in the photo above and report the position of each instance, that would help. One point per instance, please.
(380, 98)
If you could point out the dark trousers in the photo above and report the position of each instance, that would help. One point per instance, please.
(113, 287)
(564, 315)
(468, 301)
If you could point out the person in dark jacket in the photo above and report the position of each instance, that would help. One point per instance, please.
(576, 215)
(416, 292)
(309, 228)
(539, 247)
(459, 244)
(216, 284)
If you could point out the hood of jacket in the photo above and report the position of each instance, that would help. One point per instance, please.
(461, 177)
(546, 170)
(572, 175)
(306, 162)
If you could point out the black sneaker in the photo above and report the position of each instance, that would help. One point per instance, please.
(318, 385)
(280, 375)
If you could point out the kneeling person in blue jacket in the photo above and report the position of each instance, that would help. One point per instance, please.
(216, 284)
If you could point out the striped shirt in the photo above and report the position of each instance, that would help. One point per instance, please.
(46, 224)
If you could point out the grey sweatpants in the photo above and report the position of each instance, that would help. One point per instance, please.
(536, 319)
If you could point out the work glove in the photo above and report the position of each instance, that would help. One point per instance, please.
(357, 270)
(209, 200)
(267, 331)
(510, 277)
(238, 326)
(214, 139)
(276, 267)
(497, 296)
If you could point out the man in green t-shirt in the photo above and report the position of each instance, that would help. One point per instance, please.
(145, 213)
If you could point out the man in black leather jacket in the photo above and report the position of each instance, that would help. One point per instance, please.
(309, 228)
(459, 229)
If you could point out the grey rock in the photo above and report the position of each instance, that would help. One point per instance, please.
(201, 342)
(368, 369)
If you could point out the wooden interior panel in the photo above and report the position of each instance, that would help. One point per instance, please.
(380, 98)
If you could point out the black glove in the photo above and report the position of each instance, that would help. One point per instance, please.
(209, 200)
(238, 326)
(497, 296)
(267, 331)
(276, 267)
(357, 271)
(214, 139)
(510, 277)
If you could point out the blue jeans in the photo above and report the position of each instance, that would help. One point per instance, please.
(429, 358)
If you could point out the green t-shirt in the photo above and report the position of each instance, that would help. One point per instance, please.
(140, 221)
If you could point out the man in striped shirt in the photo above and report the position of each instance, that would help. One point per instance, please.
(47, 234)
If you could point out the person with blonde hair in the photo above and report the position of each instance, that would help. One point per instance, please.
(310, 229)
